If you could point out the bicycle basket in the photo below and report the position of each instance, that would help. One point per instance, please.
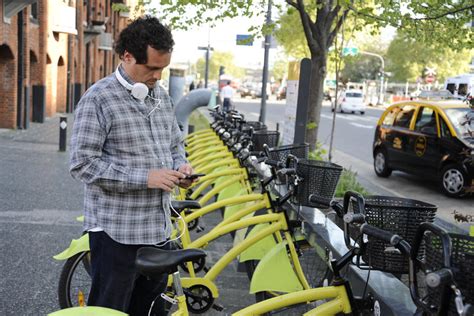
(462, 265)
(398, 216)
(319, 180)
(254, 126)
(264, 137)
(281, 153)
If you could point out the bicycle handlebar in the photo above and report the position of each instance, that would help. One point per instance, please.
(440, 277)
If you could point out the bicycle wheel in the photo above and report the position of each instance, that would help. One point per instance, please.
(75, 281)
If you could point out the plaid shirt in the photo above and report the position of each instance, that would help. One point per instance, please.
(116, 140)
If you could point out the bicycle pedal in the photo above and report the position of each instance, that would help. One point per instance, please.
(218, 307)
(200, 229)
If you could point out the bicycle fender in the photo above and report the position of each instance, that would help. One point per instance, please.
(259, 249)
(188, 282)
(275, 273)
(87, 310)
(76, 246)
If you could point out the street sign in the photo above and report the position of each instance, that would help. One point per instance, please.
(244, 39)
(351, 51)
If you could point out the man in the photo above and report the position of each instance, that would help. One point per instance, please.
(227, 94)
(128, 150)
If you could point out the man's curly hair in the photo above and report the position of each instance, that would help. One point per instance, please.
(141, 33)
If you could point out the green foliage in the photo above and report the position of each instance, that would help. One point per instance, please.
(216, 60)
(318, 153)
(311, 125)
(348, 182)
(407, 58)
(120, 7)
(280, 68)
(290, 35)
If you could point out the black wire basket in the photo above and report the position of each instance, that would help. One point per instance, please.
(399, 216)
(253, 126)
(259, 138)
(462, 266)
(318, 182)
(281, 153)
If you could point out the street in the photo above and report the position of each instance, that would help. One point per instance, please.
(353, 149)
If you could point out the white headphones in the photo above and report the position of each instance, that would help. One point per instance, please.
(139, 90)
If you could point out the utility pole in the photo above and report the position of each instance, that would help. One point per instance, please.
(268, 38)
(207, 49)
(206, 72)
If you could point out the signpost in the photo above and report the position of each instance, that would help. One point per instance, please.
(206, 74)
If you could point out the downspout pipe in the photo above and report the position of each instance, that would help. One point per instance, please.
(21, 54)
(188, 103)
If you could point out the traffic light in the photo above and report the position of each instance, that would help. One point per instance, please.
(221, 70)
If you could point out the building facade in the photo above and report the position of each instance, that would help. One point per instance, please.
(51, 51)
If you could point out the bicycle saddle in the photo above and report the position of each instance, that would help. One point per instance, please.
(181, 205)
(153, 262)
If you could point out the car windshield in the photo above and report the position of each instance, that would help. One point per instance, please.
(353, 95)
(462, 120)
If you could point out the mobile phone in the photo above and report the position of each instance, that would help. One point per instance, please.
(194, 176)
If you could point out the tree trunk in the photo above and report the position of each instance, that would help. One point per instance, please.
(318, 74)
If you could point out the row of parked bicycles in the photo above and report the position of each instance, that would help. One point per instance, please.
(258, 188)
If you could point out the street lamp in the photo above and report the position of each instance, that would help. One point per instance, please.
(382, 74)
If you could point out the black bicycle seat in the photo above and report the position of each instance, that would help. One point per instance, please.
(153, 262)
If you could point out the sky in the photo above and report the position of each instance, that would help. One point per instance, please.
(222, 37)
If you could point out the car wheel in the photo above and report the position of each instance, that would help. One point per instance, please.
(453, 180)
(362, 112)
(381, 164)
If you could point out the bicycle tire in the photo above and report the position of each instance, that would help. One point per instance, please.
(69, 273)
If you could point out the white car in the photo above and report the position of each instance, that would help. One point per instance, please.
(351, 101)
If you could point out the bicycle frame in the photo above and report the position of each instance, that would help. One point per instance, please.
(338, 296)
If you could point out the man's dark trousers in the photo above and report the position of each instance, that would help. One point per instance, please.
(226, 104)
(115, 282)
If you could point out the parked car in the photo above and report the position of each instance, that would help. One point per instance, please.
(281, 93)
(431, 139)
(248, 89)
(351, 101)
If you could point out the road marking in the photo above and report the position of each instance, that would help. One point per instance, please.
(362, 125)
(371, 119)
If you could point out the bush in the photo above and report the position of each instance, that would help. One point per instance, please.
(348, 182)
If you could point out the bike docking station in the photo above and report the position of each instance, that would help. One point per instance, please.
(390, 295)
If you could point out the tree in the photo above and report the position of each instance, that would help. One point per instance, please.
(428, 21)
(407, 59)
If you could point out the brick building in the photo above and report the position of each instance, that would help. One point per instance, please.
(50, 52)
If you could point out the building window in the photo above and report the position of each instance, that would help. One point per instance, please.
(34, 12)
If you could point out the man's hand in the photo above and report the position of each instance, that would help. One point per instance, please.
(164, 179)
(186, 169)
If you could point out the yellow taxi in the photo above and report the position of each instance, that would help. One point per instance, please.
(432, 139)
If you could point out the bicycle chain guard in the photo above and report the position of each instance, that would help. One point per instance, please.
(199, 299)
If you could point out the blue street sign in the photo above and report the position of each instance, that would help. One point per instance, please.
(352, 51)
(244, 39)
